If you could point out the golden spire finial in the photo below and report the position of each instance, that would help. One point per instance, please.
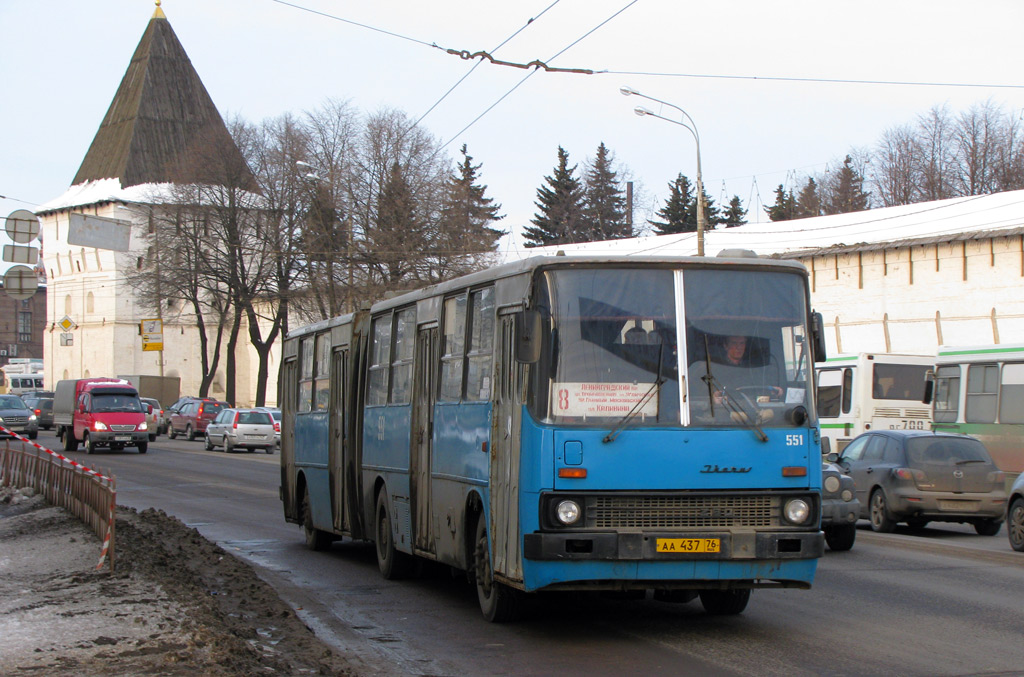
(159, 13)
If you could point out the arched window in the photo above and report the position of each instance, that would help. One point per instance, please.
(67, 304)
(90, 303)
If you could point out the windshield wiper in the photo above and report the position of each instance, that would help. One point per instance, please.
(641, 403)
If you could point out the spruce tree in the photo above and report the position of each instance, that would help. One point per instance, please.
(605, 205)
(560, 218)
(467, 212)
(846, 191)
(675, 214)
(735, 214)
(784, 208)
(809, 201)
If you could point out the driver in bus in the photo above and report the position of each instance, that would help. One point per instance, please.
(732, 372)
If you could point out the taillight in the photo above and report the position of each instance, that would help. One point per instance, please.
(200, 412)
(996, 477)
(277, 427)
(38, 411)
(236, 421)
(914, 474)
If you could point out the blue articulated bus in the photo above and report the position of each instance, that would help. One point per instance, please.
(569, 423)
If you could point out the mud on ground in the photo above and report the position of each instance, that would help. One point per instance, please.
(176, 604)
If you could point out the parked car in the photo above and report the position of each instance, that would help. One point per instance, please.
(30, 397)
(192, 417)
(241, 429)
(154, 416)
(840, 508)
(915, 476)
(1015, 515)
(43, 409)
(17, 418)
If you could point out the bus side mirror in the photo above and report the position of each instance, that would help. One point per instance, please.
(818, 337)
(528, 334)
(929, 387)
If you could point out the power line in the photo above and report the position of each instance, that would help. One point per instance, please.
(838, 81)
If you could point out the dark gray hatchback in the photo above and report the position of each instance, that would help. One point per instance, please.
(917, 477)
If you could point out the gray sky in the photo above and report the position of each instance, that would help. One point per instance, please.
(745, 71)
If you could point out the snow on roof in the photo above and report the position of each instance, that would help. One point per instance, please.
(938, 219)
(107, 190)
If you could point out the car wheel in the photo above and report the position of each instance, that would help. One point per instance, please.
(189, 433)
(172, 433)
(841, 536)
(228, 447)
(70, 443)
(33, 436)
(268, 450)
(392, 563)
(90, 447)
(880, 519)
(1015, 525)
(143, 447)
(498, 602)
(152, 438)
(315, 538)
(917, 524)
(724, 602)
(988, 527)
(209, 444)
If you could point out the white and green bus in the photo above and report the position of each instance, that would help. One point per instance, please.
(867, 391)
(979, 391)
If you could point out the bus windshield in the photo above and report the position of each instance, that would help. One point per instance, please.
(616, 339)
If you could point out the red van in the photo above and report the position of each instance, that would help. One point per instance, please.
(103, 413)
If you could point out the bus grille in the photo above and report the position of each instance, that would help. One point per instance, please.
(682, 512)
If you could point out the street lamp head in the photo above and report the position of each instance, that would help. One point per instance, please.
(641, 111)
(626, 90)
(303, 165)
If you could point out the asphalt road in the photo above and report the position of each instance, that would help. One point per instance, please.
(944, 601)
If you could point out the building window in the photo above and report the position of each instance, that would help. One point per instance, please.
(24, 327)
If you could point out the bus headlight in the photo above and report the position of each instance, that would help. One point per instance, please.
(568, 512)
(797, 510)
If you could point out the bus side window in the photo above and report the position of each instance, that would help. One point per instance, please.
(847, 390)
(982, 393)
(947, 394)
(1011, 393)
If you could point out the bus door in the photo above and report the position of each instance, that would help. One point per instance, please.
(424, 391)
(337, 449)
(506, 423)
(288, 388)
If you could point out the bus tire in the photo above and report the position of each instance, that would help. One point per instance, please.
(881, 521)
(315, 538)
(841, 536)
(392, 564)
(498, 602)
(724, 602)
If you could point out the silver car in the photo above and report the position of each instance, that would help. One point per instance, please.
(241, 429)
(154, 416)
(1015, 515)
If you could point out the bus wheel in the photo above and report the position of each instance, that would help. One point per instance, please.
(392, 563)
(724, 602)
(498, 602)
(315, 538)
(879, 513)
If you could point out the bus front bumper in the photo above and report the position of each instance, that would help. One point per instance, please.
(674, 546)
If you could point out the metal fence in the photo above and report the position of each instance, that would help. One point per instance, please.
(88, 495)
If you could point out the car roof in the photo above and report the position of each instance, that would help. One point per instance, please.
(907, 434)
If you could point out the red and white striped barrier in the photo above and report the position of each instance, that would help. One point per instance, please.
(88, 471)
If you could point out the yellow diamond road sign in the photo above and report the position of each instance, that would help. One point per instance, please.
(66, 323)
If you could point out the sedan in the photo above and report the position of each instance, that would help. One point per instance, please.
(917, 477)
(241, 429)
(1015, 515)
(840, 508)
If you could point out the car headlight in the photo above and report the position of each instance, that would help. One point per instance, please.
(797, 510)
(143, 426)
(831, 484)
(99, 425)
(568, 512)
(32, 417)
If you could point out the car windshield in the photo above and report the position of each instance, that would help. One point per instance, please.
(11, 402)
(111, 402)
(947, 451)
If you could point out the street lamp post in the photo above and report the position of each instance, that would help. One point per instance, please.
(692, 127)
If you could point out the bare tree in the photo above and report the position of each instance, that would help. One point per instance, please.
(897, 174)
(976, 141)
